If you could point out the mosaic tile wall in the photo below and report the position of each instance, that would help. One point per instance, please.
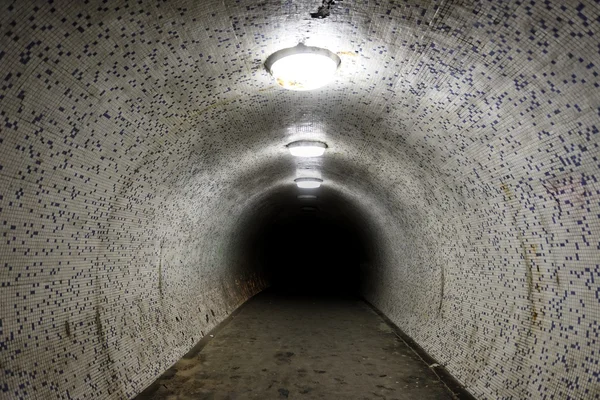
(137, 137)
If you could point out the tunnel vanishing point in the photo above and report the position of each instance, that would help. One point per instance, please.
(147, 189)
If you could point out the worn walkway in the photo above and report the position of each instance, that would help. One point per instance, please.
(294, 347)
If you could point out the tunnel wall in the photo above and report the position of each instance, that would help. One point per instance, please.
(114, 229)
(496, 275)
(136, 137)
(105, 280)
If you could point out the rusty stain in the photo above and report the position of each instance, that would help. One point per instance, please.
(525, 252)
(267, 88)
(347, 53)
(68, 328)
(506, 191)
(290, 84)
(215, 105)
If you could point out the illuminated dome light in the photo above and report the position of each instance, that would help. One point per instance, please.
(302, 67)
(307, 197)
(308, 183)
(307, 148)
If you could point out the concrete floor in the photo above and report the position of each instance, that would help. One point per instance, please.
(301, 347)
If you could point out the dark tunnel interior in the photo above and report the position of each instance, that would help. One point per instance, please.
(311, 253)
(316, 247)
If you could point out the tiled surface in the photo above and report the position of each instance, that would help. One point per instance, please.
(136, 137)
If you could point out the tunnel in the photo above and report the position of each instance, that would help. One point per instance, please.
(309, 244)
(150, 200)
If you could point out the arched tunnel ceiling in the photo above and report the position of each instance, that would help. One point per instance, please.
(140, 139)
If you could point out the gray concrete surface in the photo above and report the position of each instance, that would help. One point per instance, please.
(301, 347)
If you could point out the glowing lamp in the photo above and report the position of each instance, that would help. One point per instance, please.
(302, 67)
(306, 148)
(308, 183)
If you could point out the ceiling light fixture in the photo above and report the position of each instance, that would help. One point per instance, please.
(302, 67)
(308, 183)
(307, 197)
(307, 148)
